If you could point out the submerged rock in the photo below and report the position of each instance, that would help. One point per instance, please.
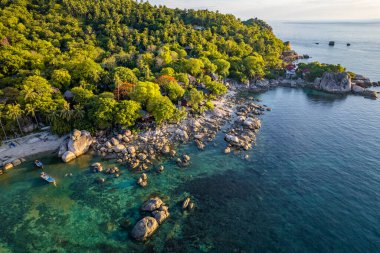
(160, 169)
(97, 167)
(144, 228)
(100, 180)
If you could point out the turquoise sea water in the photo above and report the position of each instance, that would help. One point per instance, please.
(362, 57)
(312, 184)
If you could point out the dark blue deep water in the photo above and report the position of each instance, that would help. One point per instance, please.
(311, 184)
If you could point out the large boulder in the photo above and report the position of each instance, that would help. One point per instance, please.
(334, 83)
(262, 83)
(252, 123)
(144, 228)
(62, 148)
(16, 162)
(370, 94)
(357, 89)
(78, 144)
(161, 215)
(152, 204)
(8, 166)
(231, 139)
(143, 181)
(118, 148)
(182, 135)
(68, 156)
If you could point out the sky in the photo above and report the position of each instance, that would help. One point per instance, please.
(286, 9)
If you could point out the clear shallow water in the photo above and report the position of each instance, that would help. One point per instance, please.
(362, 57)
(312, 184)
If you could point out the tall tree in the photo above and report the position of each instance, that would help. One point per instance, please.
(31, 110)
(14, 112)
(2, 106)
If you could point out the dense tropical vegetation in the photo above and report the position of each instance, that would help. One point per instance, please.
(312, 70)
(104, 63)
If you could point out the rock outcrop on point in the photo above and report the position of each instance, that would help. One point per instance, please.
(334, 83)
(78, 144)
(144, 228)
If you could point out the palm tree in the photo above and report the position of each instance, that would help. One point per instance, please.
(29, 94)
(31, 110)
(78, 113)
(14, 112)
(1, 123)
(66, 114)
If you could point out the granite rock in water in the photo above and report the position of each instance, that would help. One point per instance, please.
(144, 228)
(370, 94)
(161, 215)
(78, 144)
(186, 203)
(8, 166)
(357, 89)
(68, 156)
(334, 83)
(143, 180)
(152, 204)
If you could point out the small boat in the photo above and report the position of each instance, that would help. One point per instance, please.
(47, 178)
(39, 164)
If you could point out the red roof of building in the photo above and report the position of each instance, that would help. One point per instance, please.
(290, 67)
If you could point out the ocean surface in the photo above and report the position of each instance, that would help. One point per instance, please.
(362, 57)
(311, 184)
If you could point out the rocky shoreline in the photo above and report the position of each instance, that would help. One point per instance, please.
(138, 151)
(340, 83)
(237, 118)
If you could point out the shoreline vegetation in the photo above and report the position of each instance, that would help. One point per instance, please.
(140, 80)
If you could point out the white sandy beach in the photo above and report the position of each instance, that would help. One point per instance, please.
(28, 146)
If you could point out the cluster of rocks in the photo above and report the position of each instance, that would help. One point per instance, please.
(158, 213)
(10, 165)
(339, 83)
(76, 145)
(138, 151)
(188, 204)
(135, 150)
(363, 82)
(242, 133)
(98, 167)
(183, 161)
(342, 83)
(360, 85)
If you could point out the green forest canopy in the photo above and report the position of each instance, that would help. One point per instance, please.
(107, 52)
